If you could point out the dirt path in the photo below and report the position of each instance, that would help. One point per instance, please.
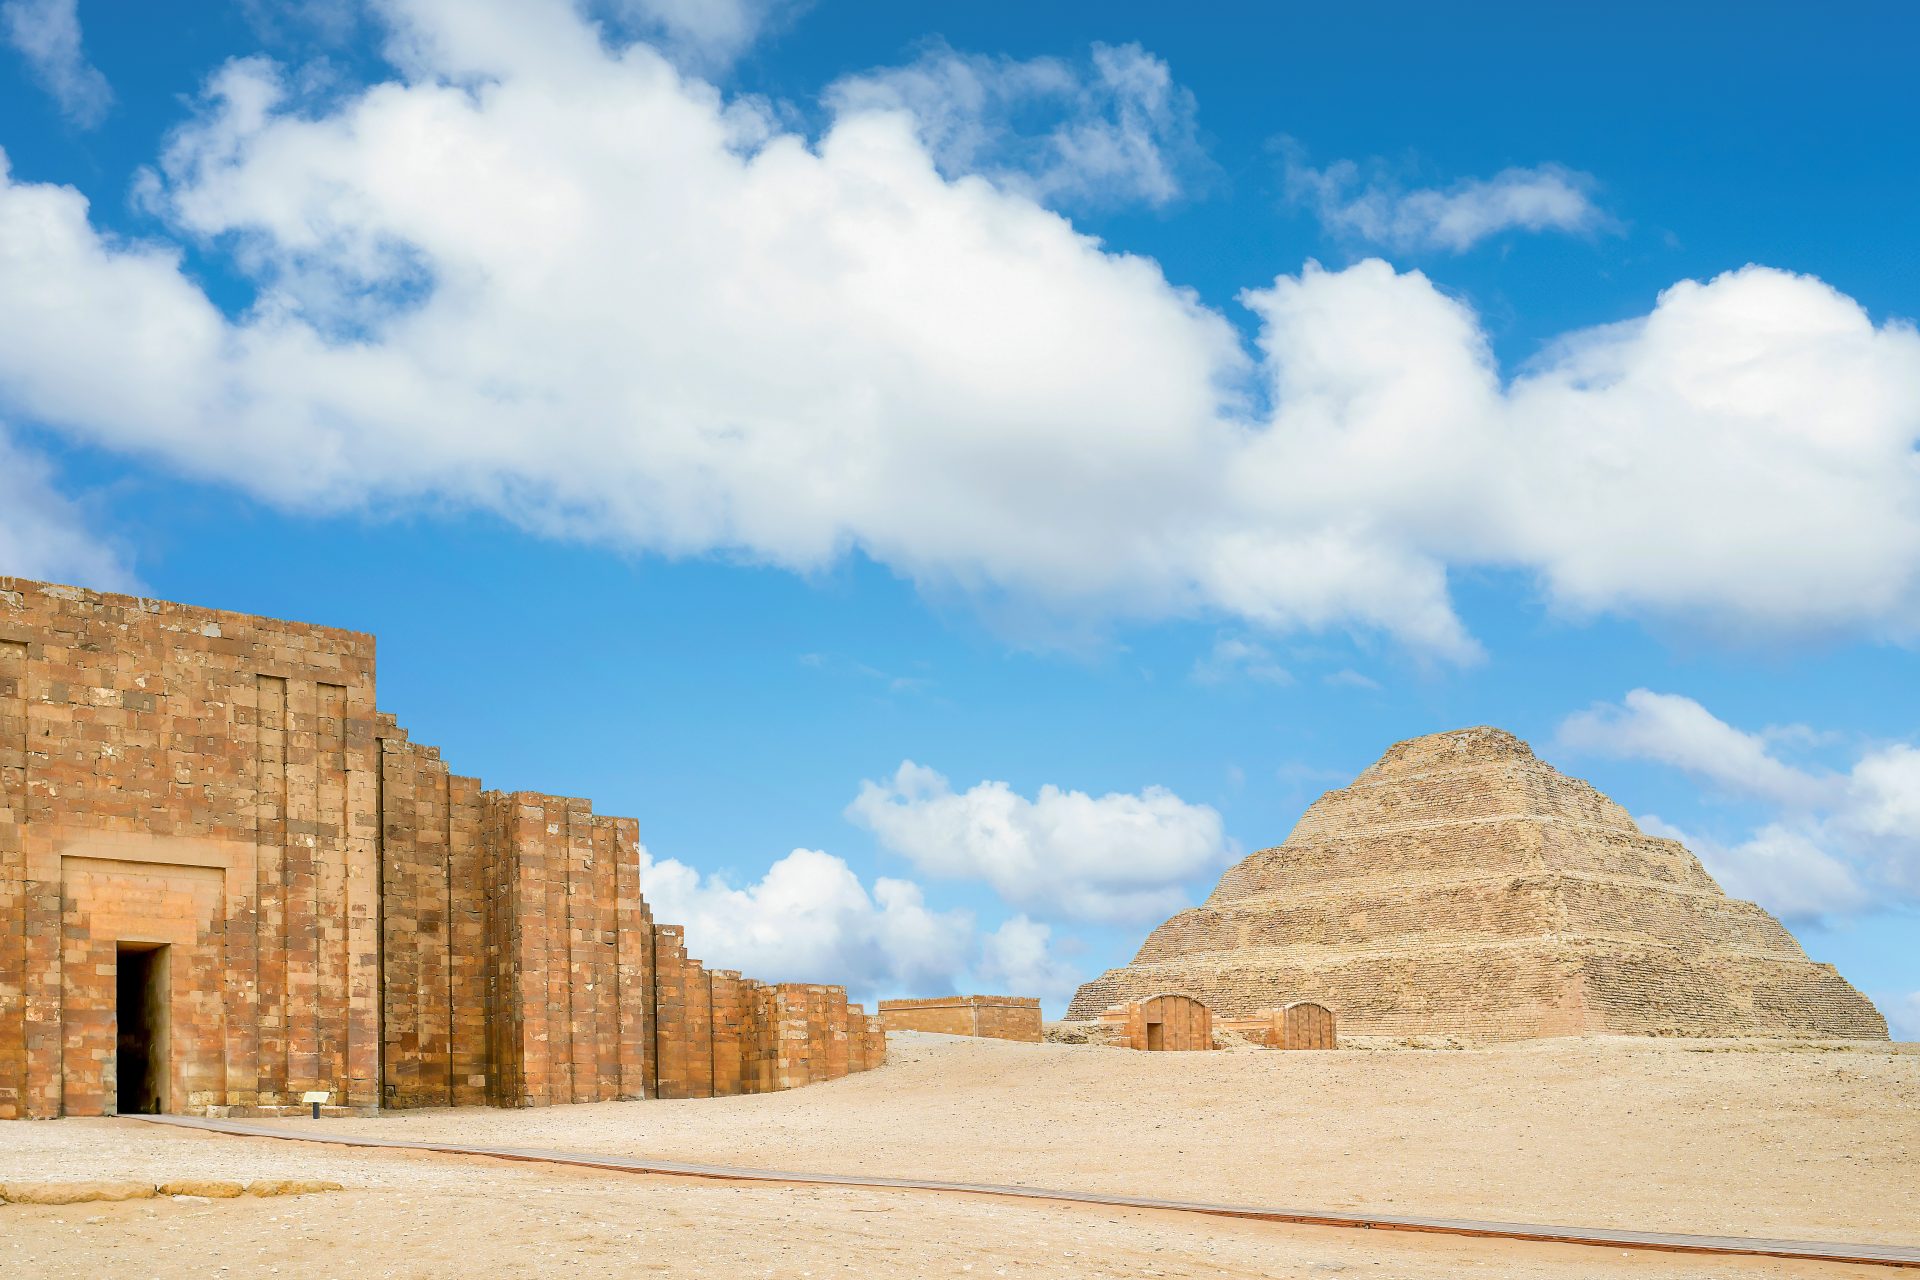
(1649, 1135)
(1599, 1237)
(1657, 1136)
(431, 1218)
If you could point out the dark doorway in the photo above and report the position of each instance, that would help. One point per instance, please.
(141, 1013)
(1156, 1036)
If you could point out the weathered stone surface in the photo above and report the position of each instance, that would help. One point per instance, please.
(202, 1187)
(1463, 887)
(290, 1186)
(337, 911)
(74, 1192)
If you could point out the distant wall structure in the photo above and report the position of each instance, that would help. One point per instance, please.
(991, 1017)
(1463, 887)
(227, 880)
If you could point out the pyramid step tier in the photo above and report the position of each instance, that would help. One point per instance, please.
(1471, 790)
(1516, 990)
(1438, 851)
(1398, 910)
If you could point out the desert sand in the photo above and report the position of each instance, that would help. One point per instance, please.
(1685, 1136)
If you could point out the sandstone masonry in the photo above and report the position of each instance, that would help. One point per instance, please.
(210, 804)
(992, 1017)
(1463, 887)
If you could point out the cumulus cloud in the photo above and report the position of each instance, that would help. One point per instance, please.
(1678, 731)
(1783, 870)
(1839, 842)
(1119, 857)
(553, 278)
(810, 919)
(1378, 210)
(47, 34)
(705, 34)
(44, 534)
(1021, 958)
(1882, 803)
(1119, 129)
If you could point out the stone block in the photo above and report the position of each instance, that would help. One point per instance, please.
(74, 1192)
(204, 1187)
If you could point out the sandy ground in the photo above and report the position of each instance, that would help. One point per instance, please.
(1670, 1136)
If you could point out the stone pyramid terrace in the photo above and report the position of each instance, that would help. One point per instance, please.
(1463, 887)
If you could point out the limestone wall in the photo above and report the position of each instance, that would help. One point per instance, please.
(524, 966)
(203, 780)
(992, 1017)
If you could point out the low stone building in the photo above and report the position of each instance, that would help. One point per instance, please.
(991, 1017)
(1167, 1023)
(227, 881)
(1463, 887)
(1303, 1024)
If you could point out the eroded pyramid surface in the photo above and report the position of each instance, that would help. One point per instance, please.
(1461, 886)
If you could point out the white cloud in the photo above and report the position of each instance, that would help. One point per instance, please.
(45, 535)
(809, 919)
(47, 34)
(1678, 731)
(1883, 795)
(1347, 678)
(706, 34)
(1236, 657)
(1379, 211)
(1119, 857)
(1020, 959)
(1783, 870)
(1120, 129)
(1838, 842)
(561, 282)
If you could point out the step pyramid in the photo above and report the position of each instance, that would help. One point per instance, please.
(1461, 886)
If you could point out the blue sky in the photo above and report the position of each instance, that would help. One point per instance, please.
(1136, 423)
